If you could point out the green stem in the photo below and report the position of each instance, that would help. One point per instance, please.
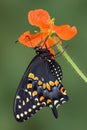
(68, 58)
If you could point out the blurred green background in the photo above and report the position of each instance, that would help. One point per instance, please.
(14, 58)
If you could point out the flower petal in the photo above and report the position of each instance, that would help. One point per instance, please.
(25, 39)
(50, 42)
(39, 18)
(65, 32)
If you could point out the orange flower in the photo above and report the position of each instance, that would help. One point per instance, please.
(33, 40)
(41, 19)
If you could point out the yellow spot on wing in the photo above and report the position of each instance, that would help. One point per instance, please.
(41, 98)
(19, 106)
(48, 86)
(34, 106)
(25, 112)
(50, 106)
(18, 97)
(23, 103)
(44, 103)
(51, 83)
(38, 104)
(21, 114)
(29, 93)
(18, 116)
(48, 101)
(34, 93)
(31, 75)
(56, 82)
(36, 78)
(27, 99)
(55, 102)
(29, 110)
(44, 86)
(39, 82)
(29, 85)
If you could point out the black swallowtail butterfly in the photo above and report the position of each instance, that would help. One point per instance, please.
(40, 87)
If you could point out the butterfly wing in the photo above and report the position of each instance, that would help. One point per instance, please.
(27, 101)
(38, 88)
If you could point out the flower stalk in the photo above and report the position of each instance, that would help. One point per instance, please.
(72, 63)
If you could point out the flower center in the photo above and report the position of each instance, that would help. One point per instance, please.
(51, 21)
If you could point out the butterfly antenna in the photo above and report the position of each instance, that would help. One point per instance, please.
(44, 42)
(16, 41)
(40, 42)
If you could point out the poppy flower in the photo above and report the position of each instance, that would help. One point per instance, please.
(41, 19)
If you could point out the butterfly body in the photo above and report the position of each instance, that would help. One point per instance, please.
(40, 87)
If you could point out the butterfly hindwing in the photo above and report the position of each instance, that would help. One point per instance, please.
(40, 86)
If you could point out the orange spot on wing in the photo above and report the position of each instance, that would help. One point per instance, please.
(34, 93)
(56, 82)
(29, 85)
(51, 83)
(39, 82)
(31, 75)
(36, 78)
(48, 101)
(48, 86)
(44, 86)
(41, 98)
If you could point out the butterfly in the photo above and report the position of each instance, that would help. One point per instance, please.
(40, 87)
